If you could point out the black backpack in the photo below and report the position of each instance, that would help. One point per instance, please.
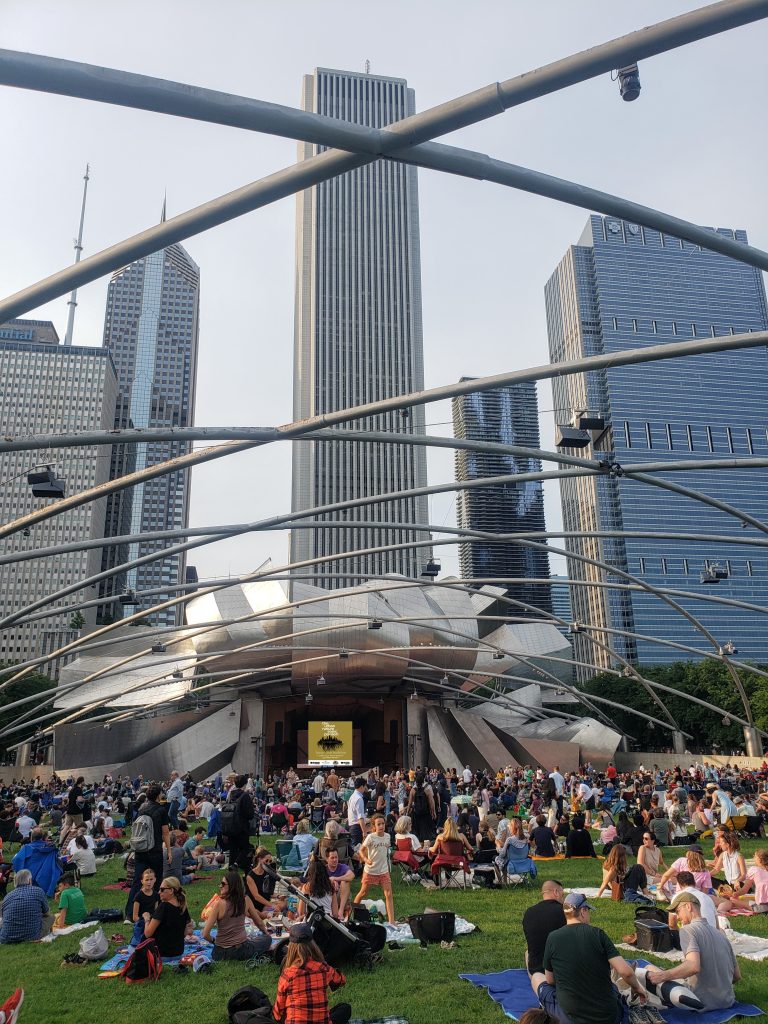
(144, 964)
(232, 823)
(249, 1005)
(420, 802)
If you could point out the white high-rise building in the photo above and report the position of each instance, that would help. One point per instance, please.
(358, 337)
(46, 388)
(151, 328)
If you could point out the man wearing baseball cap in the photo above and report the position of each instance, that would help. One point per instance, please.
(576, 986)
(709, 966)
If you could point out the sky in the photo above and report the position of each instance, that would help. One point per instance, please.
(694, 145)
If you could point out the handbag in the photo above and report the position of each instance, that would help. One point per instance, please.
(94, 946)
(617, 891)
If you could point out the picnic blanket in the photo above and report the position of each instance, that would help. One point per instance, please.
(69, 929)
(121, 957)
(750, 947)
(512, 991)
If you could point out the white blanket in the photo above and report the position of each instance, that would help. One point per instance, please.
(750, 947)
(402, 932)
(71, 928)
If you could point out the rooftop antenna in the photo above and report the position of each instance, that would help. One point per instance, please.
(78, 250)
(163, 211)
(367, 67)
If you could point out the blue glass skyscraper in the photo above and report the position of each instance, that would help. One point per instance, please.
(510, 416)
(625, 286)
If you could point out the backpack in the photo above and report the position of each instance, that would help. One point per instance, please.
(420, 802)
(248, 1000)
(142, 834)
(144, 963)
(231, 818)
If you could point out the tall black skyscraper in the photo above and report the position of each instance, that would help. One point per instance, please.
(506, 415)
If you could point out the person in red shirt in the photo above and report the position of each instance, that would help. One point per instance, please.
(302, 991)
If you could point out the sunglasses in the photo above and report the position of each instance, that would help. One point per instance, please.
(223, 882)
(166, 888)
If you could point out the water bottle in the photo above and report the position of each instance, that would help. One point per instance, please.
(293, 904)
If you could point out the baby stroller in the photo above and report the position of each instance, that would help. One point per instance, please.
(358, 942)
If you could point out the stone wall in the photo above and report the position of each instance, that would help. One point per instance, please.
(628, 762)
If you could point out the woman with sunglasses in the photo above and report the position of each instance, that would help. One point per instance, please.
(170, 921)
(260, 884)
(650, 857)
(228, 917)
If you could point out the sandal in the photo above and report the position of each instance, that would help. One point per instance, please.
(117, 937)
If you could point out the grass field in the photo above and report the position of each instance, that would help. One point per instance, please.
(420, 984)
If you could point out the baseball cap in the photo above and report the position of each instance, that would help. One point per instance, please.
(300, 933)
(684, 897)
(695, 848)
(577, 900)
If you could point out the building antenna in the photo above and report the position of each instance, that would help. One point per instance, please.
(78, 250)
(367, 67)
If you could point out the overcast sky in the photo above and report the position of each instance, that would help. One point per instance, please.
(694, 144)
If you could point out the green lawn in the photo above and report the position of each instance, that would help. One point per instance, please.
(422, 985)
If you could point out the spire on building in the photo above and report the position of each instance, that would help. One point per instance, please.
(162, 212)
(78, 250)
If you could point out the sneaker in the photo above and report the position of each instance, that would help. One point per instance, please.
(9, 1011)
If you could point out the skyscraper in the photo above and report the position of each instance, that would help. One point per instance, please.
(151, 329)
(47, 388)
(507, 415)
(358, 335)
(623, 286)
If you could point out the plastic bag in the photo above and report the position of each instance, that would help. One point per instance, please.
(94, 946)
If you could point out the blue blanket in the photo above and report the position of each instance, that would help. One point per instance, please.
(512, 991)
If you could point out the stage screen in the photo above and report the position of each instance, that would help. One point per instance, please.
(329, 743)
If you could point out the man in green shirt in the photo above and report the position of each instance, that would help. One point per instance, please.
(576, 986)
(71, 903)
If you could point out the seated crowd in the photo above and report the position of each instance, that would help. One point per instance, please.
(334, 833)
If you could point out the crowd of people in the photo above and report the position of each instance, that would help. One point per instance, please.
(343, 831)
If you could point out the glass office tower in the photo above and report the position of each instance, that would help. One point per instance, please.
(358, 337)
(151, 329)
(507, 415)
(625, 286)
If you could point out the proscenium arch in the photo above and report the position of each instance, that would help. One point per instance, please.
(495, 537)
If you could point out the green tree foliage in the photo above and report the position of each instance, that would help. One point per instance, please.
(706, 679)
(28, 686)
(77, 621)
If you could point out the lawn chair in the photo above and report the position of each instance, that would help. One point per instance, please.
(448, 866)
(518, 871)
(483, 867)
(288, 857)
(317, 819)
(408, 864)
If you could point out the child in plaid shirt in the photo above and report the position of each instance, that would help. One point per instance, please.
(302, 996)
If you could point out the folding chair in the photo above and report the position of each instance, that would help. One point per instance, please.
(446, 872)
(317, 819)
(483, 867)
(522, 871)
(405, 860)
(288, 857)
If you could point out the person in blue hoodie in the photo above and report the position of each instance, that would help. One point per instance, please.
(41, 858)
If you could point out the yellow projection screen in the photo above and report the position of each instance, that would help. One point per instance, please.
(329, 743)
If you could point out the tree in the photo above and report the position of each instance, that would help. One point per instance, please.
(30, 685)
(707, 680)
(77, 621)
